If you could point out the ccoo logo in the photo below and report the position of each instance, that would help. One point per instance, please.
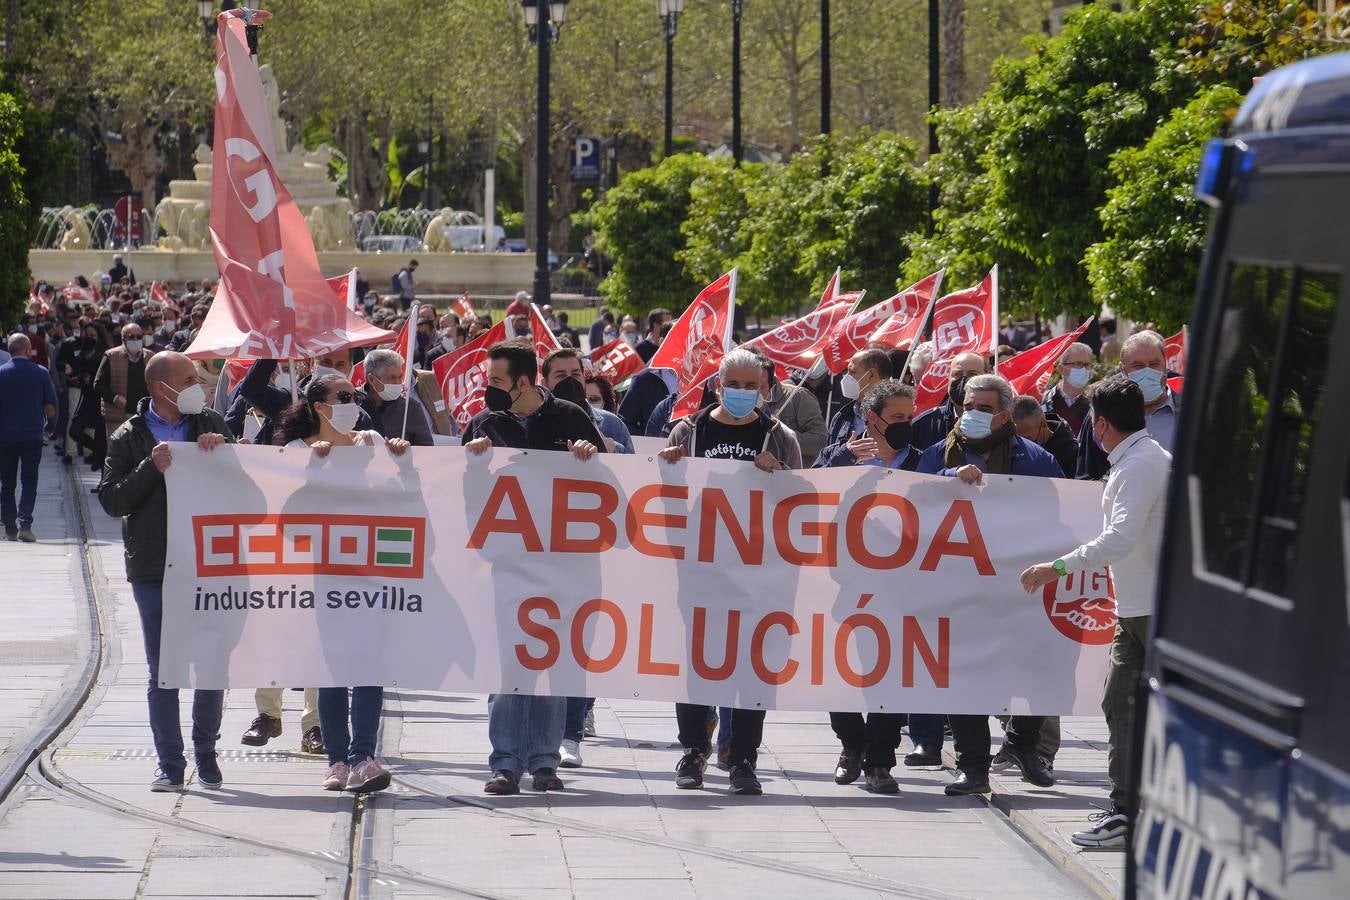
(308, 544)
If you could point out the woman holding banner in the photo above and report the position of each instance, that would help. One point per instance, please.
(323, 419)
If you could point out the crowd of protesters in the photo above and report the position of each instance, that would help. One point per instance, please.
(106, 381)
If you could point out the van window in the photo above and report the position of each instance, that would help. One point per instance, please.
(1271, 355)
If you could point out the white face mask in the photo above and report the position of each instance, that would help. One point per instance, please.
(343, 418)
(134, 346)
(849, 386)
(1150, 381)
(323, 371)
(191, 399)
(391, 392)
(448, 343)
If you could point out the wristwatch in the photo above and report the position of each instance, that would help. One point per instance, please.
(1060, 567)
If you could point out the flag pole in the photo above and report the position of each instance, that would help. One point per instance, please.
(997, 331)
(411, 327)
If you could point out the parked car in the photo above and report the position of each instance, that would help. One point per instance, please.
(391, 243)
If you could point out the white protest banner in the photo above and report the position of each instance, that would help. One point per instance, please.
(707, 581)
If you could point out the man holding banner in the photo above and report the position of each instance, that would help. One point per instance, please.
(526, 731)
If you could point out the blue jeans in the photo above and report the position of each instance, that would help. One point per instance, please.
(18, 467)
(574, 727)
(927, 729)
(525, 732)
(358, 744)
(207, 706)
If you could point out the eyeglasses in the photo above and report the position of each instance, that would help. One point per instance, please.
(1076, 365)
(344, 396)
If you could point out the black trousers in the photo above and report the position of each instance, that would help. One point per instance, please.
(96, 445)
(747, 731)
(970, 736)
(873, 738)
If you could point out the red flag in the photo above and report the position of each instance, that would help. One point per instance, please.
(463, 307)
(1026, 369)
(271, 302)
(963, 321)
(462, 374)
(797, 344)
(617, 361)
(544, 340)
(698, 341)
(344, 288)
(159, 295)
(1176, 347)
(892, 316)
(76, 294)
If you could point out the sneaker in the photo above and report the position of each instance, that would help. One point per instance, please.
(546, 779)
(367, 776)
(503, 781)
(848, 769)
(208, 773)
(163, 784)
(1110, 831)
(1032, 766)
(743, 780)
(263, 729)
(1002, 761)
(311, 742)
(588, 725)
(335, 779)
(880, 781)
(26, 535)
(968, 783)
(689, 771)
(924, 756)
(11, 535)
(570, 751)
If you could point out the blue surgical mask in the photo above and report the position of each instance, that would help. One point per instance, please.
(1150, 381)
(740, 402)
(976, 424)
(1078, 378)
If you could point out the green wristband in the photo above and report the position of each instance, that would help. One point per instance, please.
(1060, 567)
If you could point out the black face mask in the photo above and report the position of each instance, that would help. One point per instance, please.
(572, 391)
(957, 392)
(897, 435)
(497, 399)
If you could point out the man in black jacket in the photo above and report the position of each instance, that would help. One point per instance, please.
(1050, 432)
(935, 424)
(132, 488)
(526, 731)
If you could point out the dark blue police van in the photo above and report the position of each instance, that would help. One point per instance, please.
(1243, 752)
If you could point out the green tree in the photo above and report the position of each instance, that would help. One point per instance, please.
(15, 223)
(1147, 266)
(638, 226)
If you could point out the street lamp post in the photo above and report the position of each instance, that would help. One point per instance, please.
(543, 19)
(934, 98)
(669, 10)
(824, 66)
(736, 152)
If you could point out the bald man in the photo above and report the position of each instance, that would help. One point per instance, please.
(27, 404)
(132, 488)
(935, 424)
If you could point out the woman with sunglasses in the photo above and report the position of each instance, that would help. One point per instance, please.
(323, 419)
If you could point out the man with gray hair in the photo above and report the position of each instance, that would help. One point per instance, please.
(1143, 359)
(1065, 398)
(27, 404)
(1047, 432)
(386, 404)
(985, 440)
(733, 428)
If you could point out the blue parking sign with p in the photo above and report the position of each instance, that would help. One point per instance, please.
(585, 158)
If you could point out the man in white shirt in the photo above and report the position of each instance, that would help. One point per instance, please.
(1133, 504)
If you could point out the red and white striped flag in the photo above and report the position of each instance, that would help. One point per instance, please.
(463, 307)
(1025, 370)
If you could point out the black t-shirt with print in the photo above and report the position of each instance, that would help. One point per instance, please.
(741, 442)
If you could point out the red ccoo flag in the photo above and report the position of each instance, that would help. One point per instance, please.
(1026, 369)
(617, 361)
(963, 322)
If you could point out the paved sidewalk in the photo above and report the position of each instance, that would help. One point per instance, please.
(620, 829)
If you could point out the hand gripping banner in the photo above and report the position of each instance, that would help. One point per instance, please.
(704, 581)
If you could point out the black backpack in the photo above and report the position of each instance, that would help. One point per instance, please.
(395, 285)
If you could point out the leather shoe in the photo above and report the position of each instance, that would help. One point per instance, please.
(968, 783)
(880, 781)
(923, 756)
(263, 729)
(1033, 766)
(847, 770)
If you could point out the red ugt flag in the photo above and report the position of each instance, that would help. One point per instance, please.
(1025, 369)
(462, 374)
(963, 321)
(463, 307)
(701, 337)
(889, 321)
(1176, 347)
(797, 344)
(617, 361)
